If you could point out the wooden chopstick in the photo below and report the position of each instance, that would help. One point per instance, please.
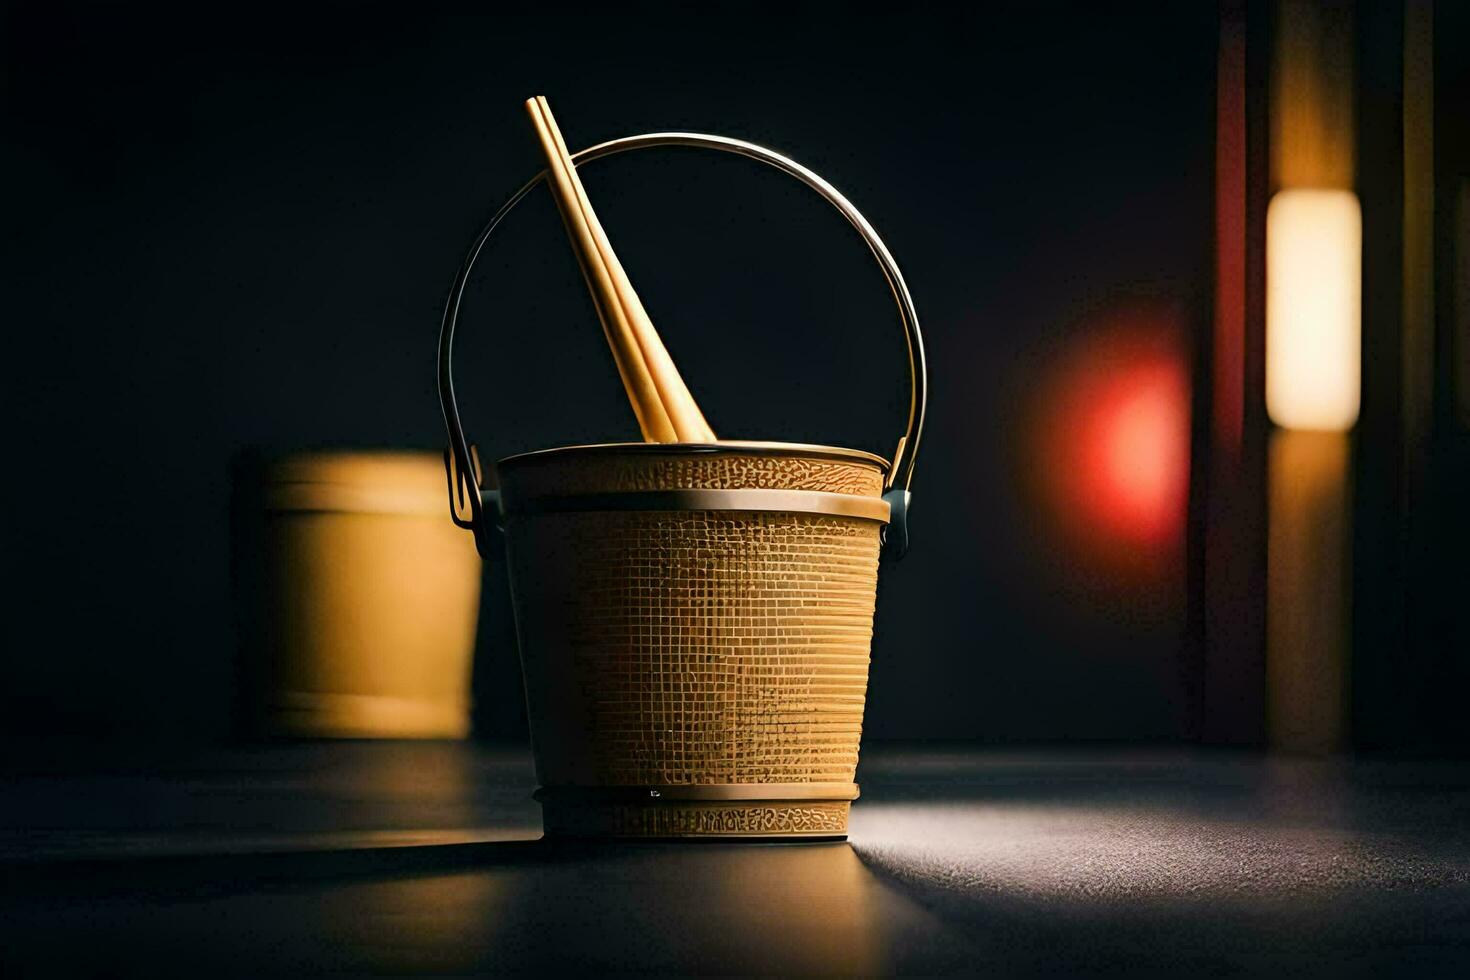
(665, 409)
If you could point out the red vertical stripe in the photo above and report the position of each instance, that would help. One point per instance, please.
(1227, 414)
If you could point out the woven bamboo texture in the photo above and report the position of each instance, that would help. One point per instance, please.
(695, 647)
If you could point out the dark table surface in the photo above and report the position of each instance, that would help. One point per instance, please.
(403, 858)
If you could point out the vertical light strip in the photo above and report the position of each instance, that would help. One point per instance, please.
(1308, 596)
(1417, 394)
(1313, 373)
(1228, 398)
(1314, 273)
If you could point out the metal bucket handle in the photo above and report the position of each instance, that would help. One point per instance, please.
(462, 462)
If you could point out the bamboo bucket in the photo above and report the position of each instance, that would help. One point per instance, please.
(694, 619)
(370, 598)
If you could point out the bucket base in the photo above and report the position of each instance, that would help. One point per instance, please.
(656, 819)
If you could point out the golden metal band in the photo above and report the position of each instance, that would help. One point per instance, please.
(752, 499)
(709, 792)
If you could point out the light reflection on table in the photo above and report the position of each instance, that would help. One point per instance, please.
(424, 859)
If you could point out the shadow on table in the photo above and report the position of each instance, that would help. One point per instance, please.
(500, 905)
(201, 873)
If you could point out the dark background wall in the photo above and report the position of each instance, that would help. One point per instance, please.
(231, 228)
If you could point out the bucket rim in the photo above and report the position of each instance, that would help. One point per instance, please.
(732, 446)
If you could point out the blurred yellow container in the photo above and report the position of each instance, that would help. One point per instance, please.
(369, 599)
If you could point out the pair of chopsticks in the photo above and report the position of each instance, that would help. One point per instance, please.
(666, 411)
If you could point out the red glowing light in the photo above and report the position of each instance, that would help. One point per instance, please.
(1138, 455)
(1114, 446)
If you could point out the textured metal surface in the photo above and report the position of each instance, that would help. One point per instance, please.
(693, 647)
(823, 820)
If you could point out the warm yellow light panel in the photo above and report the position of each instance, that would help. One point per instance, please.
(1314, 286)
